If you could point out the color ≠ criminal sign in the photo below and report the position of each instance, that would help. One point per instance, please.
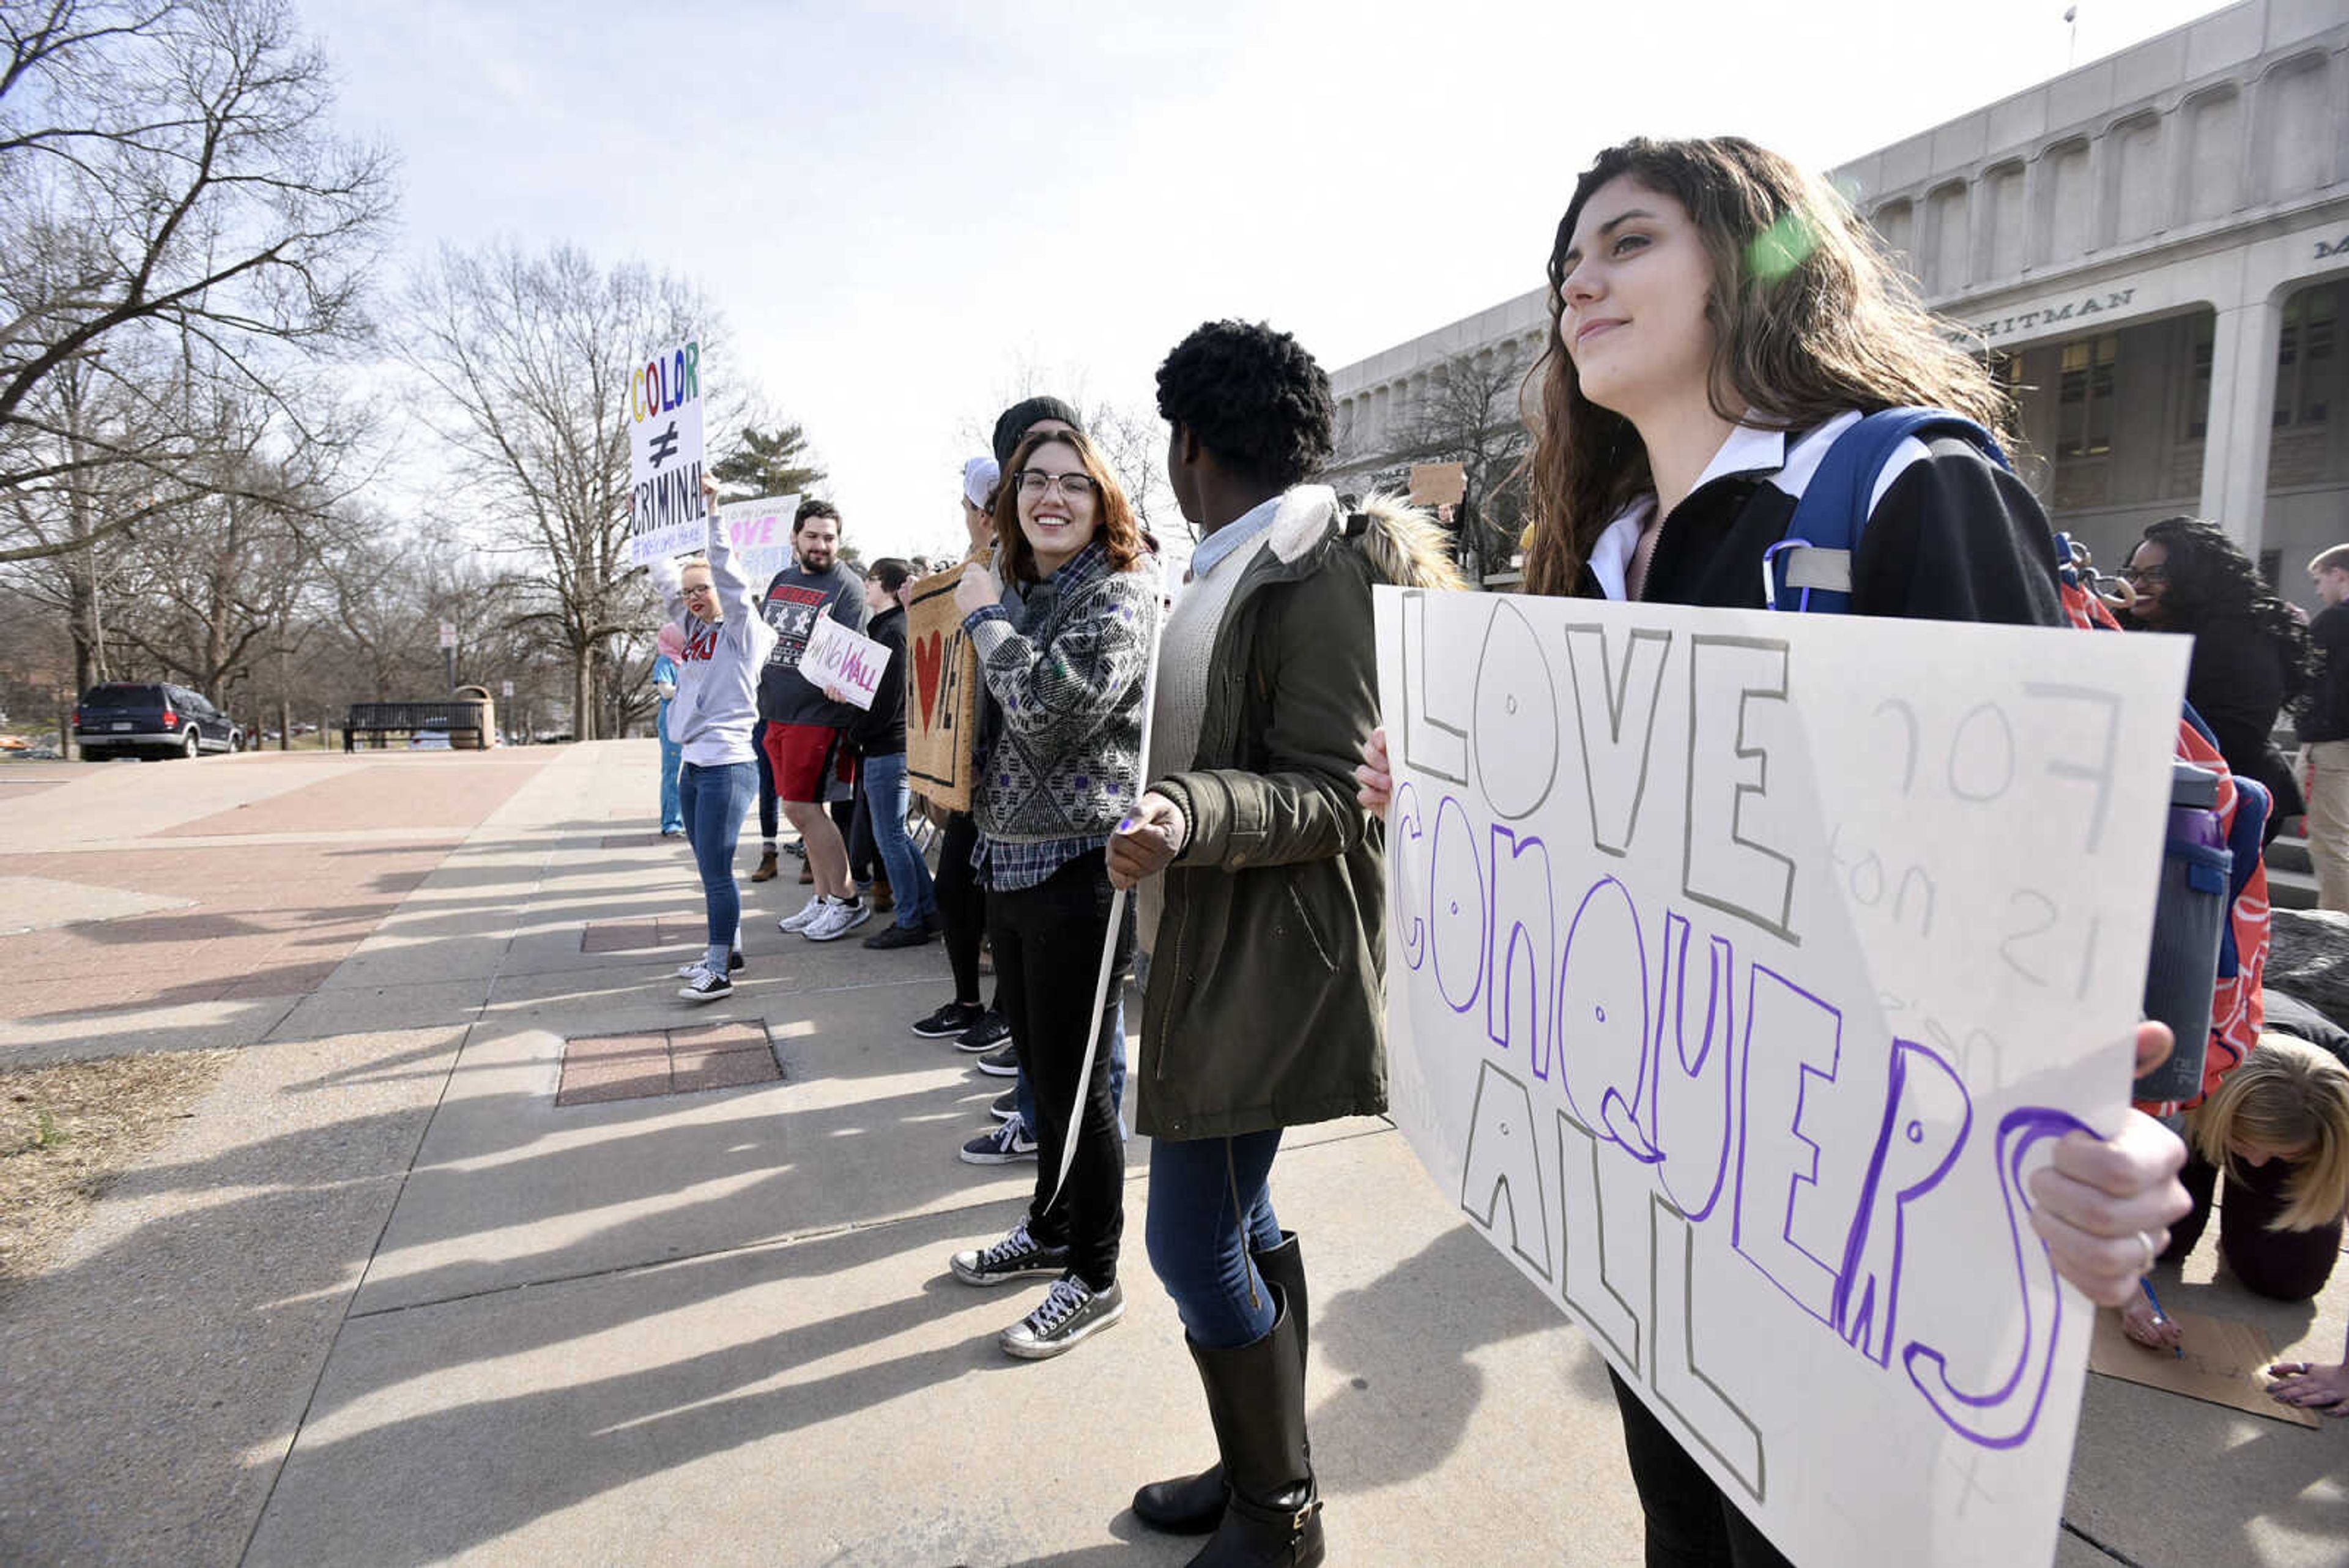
(665, 509)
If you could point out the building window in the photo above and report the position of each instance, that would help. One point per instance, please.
(2202, 349)
(2306, 362)
(2084, 401)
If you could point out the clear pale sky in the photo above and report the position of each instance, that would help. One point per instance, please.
(902, 209)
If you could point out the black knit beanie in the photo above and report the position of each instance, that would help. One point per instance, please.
(1020, 418)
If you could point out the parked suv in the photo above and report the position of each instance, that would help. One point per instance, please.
(151, 719)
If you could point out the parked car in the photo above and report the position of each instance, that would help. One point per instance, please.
(150, 718)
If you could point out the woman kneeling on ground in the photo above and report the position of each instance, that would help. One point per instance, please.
(2278, 1126)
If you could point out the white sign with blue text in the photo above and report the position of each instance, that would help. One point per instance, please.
(1742, 970)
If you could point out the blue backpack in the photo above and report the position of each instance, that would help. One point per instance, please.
(1815, 558)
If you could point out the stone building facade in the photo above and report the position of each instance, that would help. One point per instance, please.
(2154, 251)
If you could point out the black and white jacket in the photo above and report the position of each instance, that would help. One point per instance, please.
(1950, 535)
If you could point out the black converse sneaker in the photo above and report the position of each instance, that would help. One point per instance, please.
(1070, 1313)
(1016, 1257)
(705, 987)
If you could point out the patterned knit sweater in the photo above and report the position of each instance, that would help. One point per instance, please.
(1068, 680)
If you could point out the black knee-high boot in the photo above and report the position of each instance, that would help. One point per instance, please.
(1194, 1505)
(1256, 1397)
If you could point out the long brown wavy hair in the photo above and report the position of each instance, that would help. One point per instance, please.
(1114, 526)
(1809, 318)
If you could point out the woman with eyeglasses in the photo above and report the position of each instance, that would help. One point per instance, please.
(726, 646)
(1718, 319)
(2252, 653)
(1071, 677)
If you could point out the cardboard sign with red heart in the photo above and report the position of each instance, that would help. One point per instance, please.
(941, 718)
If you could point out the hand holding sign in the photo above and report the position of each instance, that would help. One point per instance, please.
(845, 662)
(976, 590)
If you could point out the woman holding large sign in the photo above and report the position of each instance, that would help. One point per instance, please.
(1718, 319)
(726, 644)
(1071, 676)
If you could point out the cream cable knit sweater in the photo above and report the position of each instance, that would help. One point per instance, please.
(1186, 651)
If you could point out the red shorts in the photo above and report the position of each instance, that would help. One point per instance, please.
(807, 758)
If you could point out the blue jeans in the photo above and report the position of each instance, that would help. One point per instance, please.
(672, 759)
(1024, 1097)
(909, 875)
(714, 801)
(1210, 1207)
(766, 781)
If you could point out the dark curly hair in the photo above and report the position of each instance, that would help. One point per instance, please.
(1253, 397)
(2209, 579)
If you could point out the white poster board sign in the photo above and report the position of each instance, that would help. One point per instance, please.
(847, 661)
(759, 532)
(666, 510)
(1741, 970)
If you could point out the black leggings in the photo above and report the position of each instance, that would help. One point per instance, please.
(2285, 1266)
(962, 907)
(1048, 941)
(1691, 1523)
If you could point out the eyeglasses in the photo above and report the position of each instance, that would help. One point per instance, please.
(689, 589)
(1035, 482)
(2146, 574)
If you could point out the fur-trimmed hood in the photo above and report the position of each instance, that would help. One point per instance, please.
(1404, 543)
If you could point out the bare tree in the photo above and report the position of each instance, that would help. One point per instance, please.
(1468, 414)
(527, 362)
(217, 583)
(168, 180)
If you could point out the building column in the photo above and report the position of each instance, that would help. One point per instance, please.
(2243, 411)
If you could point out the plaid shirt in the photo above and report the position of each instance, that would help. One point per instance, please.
(1008, 868)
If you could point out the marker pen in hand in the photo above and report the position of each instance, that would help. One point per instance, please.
(2159, 1316)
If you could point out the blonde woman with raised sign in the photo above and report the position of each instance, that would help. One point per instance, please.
(710, 718)
(1718, 318)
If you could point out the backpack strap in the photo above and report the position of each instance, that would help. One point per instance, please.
(1810, 567)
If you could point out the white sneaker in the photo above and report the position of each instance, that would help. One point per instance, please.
(797, 923)
(837, 921)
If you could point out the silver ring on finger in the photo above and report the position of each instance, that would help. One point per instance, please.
(2152, 1252)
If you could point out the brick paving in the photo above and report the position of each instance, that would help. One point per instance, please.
(429, 791)
(638, 935)
(264, 919)
(268, 920)
(597, 1068)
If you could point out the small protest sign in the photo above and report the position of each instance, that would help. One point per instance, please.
(666, 511)
(2218, 1361)
(941, 693)
(759, 533)
(1744, 967)
(1438, 483)
(839, 659)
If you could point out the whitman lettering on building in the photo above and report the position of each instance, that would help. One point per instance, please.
(2047, 316)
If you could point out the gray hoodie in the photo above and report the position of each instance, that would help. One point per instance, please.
(716, 700)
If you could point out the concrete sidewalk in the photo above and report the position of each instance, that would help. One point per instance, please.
(383, 1300)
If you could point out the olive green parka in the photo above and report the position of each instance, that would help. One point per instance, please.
(1266, 1003)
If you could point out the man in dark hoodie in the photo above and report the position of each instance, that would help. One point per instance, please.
(1262, 899)
(880, 736)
